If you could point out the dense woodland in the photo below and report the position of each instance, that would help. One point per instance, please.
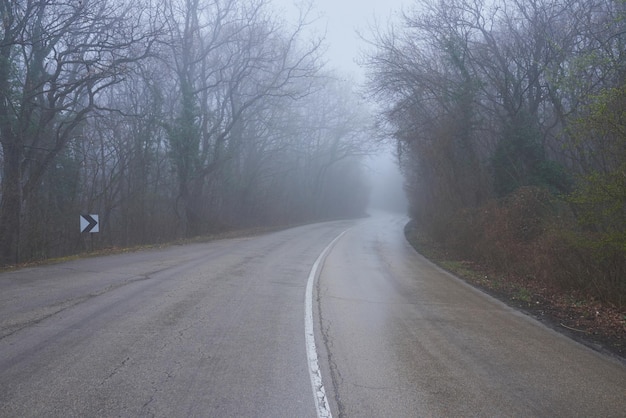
(177, 118)
(169, 119)
(510, 117)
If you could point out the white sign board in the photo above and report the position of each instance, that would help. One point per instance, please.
(89, 223)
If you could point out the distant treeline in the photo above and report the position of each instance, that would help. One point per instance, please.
(168, 119)
(510, 118)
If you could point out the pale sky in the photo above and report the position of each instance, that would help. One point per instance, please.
(341, 19)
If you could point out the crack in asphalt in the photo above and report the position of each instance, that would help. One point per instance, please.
(145, 405)
(49, 311)
(115, 371)
(156, 387)
(335, 374)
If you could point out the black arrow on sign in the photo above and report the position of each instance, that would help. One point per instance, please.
(87, 223)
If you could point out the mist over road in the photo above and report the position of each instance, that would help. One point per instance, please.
(217, 329)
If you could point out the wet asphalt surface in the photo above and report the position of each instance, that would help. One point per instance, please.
(217, 329)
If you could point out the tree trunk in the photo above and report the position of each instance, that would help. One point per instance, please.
(11, 205)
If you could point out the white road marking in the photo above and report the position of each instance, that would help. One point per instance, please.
(319, 394)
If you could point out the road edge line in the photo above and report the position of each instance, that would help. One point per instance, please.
(319, 394)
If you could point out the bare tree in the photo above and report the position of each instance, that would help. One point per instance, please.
(227, 57)
(222, 119)
(56, 57)
(477, 90)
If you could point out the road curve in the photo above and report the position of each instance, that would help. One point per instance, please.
(217, 329)
(206, 330)
(403, 338)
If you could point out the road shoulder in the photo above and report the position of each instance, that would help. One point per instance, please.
(599, 326)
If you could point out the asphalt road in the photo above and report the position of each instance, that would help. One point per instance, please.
(218, 330)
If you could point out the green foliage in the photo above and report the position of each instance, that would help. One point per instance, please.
(519, 160)
(554, 177)
(472, 88)
(523, 295)
(184, 136)
(601, 203)
(534, 235)
(600, 196)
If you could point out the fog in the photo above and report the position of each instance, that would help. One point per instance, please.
(387, 192)
(264, 124)
(344, 24)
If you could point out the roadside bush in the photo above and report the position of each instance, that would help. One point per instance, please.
(534, 235)
(577, 260)
(500, 232)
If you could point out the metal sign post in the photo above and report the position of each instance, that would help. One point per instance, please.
(91, 224)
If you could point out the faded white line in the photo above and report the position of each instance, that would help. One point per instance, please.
(319, 394)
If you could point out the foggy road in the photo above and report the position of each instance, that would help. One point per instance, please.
(405, 338)
(218, 329)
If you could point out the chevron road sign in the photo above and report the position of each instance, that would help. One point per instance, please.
(89, 223)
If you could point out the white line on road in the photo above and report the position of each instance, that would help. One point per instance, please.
(319, 394)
